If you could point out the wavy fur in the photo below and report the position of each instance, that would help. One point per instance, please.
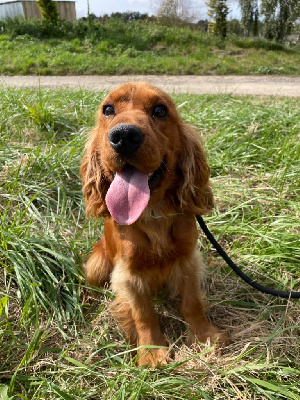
(159, 249)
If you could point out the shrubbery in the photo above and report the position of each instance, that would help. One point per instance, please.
(115, 46)
(139, 34)
(43, 29)
(48, 10)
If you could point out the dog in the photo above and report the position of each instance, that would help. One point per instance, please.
(145, 172)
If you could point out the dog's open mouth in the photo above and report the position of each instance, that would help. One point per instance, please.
(129, 193)
(156, 177)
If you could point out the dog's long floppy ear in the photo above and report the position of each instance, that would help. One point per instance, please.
(194, 191)
(94, 182)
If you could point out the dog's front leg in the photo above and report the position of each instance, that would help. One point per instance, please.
(148, 332)
(193, 306)
(134, 311)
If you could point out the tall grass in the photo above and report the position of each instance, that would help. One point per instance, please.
(137, 47)
(57, 339)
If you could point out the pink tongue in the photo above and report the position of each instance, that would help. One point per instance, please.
(128, 195)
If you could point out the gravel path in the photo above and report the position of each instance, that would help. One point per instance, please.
(239, 85)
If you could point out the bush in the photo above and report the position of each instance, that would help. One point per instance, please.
(48, 10)
(43, 29)
(246, 43)
(140, 35)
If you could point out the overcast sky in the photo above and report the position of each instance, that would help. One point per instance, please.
(101, 7)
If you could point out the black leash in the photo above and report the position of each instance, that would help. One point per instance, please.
(236, 269)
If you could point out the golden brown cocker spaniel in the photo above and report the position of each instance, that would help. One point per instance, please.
(145, 172)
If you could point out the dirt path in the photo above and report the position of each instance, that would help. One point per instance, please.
(239, 85)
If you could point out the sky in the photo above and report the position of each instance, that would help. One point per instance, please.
(101, 7)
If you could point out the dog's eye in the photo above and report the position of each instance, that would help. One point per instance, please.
(160, 111)
(108, 110)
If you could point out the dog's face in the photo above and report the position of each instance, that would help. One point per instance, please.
(140, 150)
(138, 141)
(138, 126)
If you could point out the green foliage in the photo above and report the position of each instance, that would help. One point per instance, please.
(250, 14)
(221, 18)
(218, 10)
(280, 16)
(129, 16)
(247, 43)
(234, 27)
(137, 47)
(48, 10)
(57, 339)
(44, 29)
(44, 201)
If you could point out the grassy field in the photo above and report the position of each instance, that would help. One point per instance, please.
(135, 48)
(59, 341)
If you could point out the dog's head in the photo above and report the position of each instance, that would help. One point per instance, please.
(141, 155)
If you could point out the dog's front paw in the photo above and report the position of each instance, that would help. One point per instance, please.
(153, 357)
(211, 336)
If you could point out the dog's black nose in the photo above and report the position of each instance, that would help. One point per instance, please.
(126, 139)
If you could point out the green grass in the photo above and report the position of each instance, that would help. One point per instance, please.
(117, 47)
(58, 340)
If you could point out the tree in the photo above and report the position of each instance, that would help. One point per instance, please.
(48, 10)
(255, 22)
(175, 12)
(218, 10)
(202, 25)
(129, 16)
(234, 26)
(250, 14)
(280, 16)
